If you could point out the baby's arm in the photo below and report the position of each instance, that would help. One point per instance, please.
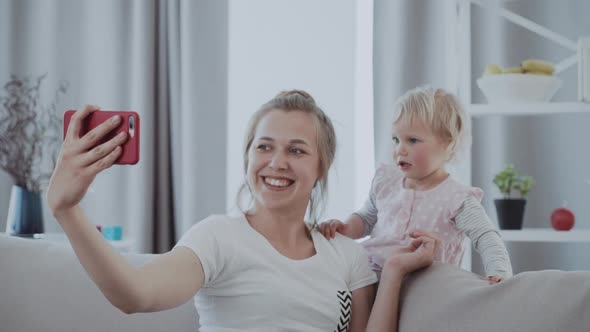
(353, 227)
(358, 225)
(473, 220)
(365, 218)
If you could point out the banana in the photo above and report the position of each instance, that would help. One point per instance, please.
(536, 66)
(492, 70)
(536, 72)
(513, 70)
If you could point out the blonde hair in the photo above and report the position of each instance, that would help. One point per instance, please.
(298, 101)
(440, 111)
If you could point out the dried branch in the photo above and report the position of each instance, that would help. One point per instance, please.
(30, 133)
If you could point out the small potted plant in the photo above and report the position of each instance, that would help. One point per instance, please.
(510, 208)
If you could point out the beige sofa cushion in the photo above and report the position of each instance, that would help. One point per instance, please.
(44, 288)
(446, 299)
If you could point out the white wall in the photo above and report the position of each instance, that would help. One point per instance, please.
(115, 66)
(309, 45)
(324, 47)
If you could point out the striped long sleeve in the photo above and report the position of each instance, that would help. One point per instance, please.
(474, 222)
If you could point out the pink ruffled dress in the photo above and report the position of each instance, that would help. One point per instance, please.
(401, 211)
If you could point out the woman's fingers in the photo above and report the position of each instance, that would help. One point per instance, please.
(425, 234)
(417, 254)
(80, 160)
(77, 120)
(94, 136)
(416, 243)
(418, 233)
(99, 152)
(423, 250)
(106, 161)
(429, 244)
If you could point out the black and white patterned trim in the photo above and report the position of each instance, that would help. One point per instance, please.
(345, 300)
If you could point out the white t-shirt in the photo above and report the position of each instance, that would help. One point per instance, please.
(250, 286)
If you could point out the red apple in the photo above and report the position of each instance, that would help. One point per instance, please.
(562, 219)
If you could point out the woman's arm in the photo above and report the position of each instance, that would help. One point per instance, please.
(384, 315)
(362, 301)
(168, 281)
(419, 254)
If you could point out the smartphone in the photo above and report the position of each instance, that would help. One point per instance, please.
(129, 123)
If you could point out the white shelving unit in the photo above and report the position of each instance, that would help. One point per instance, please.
(459, 80)
(546, 235)
(533, 109)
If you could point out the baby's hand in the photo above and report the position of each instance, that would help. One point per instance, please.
(331, 227)
(493, 279)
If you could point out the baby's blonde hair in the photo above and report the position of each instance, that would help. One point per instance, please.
(440, 111)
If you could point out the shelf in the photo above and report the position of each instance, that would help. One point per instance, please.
(125, 245)
(478, 110)
(545, 235)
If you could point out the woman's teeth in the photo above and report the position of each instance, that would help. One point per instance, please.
(276, 182)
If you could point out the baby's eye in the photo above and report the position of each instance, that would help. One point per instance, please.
(395, 139)
(414, 140)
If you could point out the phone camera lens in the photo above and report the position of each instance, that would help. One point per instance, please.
(131, 126)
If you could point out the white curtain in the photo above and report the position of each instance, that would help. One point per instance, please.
(409, 50)
(192, 58)
(162, 59)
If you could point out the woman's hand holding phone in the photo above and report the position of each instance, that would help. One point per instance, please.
(81, 159)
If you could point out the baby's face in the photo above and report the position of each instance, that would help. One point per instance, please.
(417, 151)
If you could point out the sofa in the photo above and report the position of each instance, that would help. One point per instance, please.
(44, 288)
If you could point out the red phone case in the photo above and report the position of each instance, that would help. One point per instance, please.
(129, 124)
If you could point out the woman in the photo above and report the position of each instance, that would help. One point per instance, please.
(263, 270)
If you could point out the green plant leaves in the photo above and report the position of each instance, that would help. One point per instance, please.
(509, 180)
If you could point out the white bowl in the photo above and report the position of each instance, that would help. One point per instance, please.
(518, 88)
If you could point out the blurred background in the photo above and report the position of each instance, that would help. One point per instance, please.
(195, 71)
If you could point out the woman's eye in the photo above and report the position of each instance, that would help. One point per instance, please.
(296, 151)
(263, 147)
